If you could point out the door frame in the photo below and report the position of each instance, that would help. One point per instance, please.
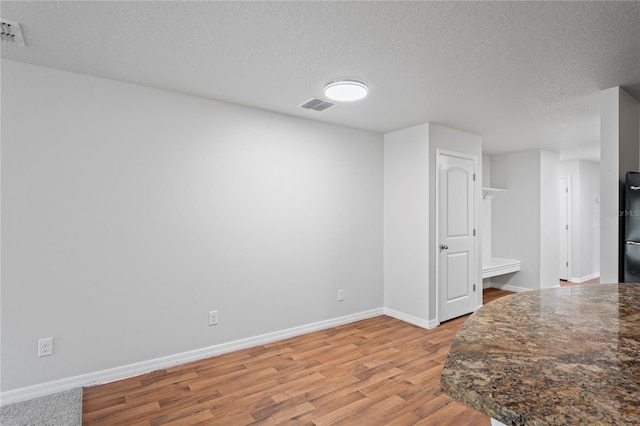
(570, 225)
(477, 302)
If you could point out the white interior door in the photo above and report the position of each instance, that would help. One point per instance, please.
(456, 239)
(563, 231)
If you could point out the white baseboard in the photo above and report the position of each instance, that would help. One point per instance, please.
(508, 287)
(585, 278)
(410, 319)
(125, 371)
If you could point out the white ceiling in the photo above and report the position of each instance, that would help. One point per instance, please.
(520, 74)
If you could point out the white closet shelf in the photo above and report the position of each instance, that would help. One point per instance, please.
(489, 193)
(499, 266)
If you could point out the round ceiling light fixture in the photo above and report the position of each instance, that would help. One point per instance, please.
(346, 90)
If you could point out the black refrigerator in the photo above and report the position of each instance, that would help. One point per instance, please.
(631, 260)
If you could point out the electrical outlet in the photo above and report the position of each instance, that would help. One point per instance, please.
(45, 347)
(340, 295)
(213, 317)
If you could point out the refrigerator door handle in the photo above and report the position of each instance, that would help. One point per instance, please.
(632, 243)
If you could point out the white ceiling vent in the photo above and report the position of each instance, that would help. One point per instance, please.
(317, 104)
(11, 32)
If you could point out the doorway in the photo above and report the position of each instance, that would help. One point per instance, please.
(456, 244)
(564, 251)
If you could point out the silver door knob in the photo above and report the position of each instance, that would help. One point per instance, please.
(444, 247)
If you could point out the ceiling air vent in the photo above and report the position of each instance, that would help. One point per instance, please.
(317, 105)
(11, 32)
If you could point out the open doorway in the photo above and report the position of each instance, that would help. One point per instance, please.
(564, 219)
(579, 221)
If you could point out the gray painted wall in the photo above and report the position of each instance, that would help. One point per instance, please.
(128, 213)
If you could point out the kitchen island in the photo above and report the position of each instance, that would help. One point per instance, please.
(560, 356)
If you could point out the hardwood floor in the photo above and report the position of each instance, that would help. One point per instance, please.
(380, 371)
(570, 284)
(491, 294)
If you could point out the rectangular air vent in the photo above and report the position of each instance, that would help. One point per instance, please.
(317, 104)
(11, 32)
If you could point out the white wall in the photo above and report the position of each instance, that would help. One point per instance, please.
(619, 153)
(128, 213)
(525, 218)
(409, 217)
(589, 214)
(609, 183)
(515, 220)
(486, 208)
(406, 222)
(549, 207)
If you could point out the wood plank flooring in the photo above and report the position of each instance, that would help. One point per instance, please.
(564, 283)
(379, 371)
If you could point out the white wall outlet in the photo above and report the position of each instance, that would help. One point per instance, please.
(45, 346)
(213, 317)
(340, 295)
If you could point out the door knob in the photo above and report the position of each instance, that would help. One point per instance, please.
(444, 247)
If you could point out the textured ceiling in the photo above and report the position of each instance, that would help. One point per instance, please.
(520, 74)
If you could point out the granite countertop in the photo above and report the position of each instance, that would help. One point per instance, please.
(559, 356)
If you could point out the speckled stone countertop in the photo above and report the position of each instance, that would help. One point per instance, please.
(562, 356)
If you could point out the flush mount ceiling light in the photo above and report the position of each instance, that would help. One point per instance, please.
(345, 90)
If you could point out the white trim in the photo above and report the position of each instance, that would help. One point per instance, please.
(517, 289)
(436, 232)
(125, 371)
(477, 225)
(508, 287)
(570, 226)
(477, 195)
(428, 324)
(585, 278)
(499, 266)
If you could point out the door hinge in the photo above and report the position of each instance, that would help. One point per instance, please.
(566, 190)
(474, 287)
(474, 176)
(567, 227)
(567, 264)
(474, 232)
